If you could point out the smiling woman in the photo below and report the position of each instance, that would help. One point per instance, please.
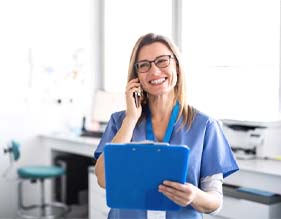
(164, 115)
(162, 75)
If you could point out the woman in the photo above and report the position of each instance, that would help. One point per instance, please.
(164, 115)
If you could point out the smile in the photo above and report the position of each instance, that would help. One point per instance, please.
(158, 81)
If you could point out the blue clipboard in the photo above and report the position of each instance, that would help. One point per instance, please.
(133, 172)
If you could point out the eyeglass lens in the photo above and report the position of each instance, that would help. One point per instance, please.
(160, 61)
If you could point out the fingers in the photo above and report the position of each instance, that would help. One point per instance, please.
(177, 199)
(178, 186)
(134, 108)
(174, 194)
(182, 194)
(133, 85)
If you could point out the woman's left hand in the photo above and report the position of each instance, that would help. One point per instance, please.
(181, 194)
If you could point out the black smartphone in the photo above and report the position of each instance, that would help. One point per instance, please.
(137, 96)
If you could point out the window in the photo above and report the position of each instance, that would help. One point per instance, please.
(231, 51)
(122, 29)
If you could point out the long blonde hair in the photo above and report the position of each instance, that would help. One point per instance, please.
(186, 111)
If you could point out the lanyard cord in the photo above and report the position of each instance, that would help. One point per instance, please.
(149, 130)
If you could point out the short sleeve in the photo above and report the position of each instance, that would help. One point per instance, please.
(217, 155)
(112, 127)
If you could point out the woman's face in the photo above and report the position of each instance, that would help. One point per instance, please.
(157, 81)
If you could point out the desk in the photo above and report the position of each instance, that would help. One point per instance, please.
(259, 174)
(84, 146)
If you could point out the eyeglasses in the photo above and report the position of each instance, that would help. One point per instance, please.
(160, 61)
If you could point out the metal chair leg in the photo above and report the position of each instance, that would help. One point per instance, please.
(24, 210)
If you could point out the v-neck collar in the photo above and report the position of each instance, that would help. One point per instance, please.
(149, 129)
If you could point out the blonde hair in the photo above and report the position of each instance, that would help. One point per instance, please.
(186, 111)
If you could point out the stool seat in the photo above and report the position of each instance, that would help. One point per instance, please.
(40, 172)
(37, 174)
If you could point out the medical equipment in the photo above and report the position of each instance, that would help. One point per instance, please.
(250, 140)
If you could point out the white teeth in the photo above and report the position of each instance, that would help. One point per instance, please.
(158, 81)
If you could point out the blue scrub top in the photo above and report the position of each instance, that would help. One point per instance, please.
(210, 154)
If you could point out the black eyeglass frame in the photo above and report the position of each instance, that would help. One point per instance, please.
(153, 61)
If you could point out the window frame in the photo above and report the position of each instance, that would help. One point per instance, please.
(176, 36)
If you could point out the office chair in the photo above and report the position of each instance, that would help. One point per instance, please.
(36, 174)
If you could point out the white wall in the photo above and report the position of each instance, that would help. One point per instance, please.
(37, 38)
(21, 125)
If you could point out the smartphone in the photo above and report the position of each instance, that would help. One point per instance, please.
(137, 96)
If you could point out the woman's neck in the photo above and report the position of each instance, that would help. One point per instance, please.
(161, 106)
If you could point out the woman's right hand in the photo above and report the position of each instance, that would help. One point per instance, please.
(133, 112)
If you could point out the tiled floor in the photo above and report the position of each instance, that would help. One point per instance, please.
(78, 212)
(75, 212)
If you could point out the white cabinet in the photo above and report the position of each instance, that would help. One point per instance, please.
(97, 201)
(245, 209)
(245, 203)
